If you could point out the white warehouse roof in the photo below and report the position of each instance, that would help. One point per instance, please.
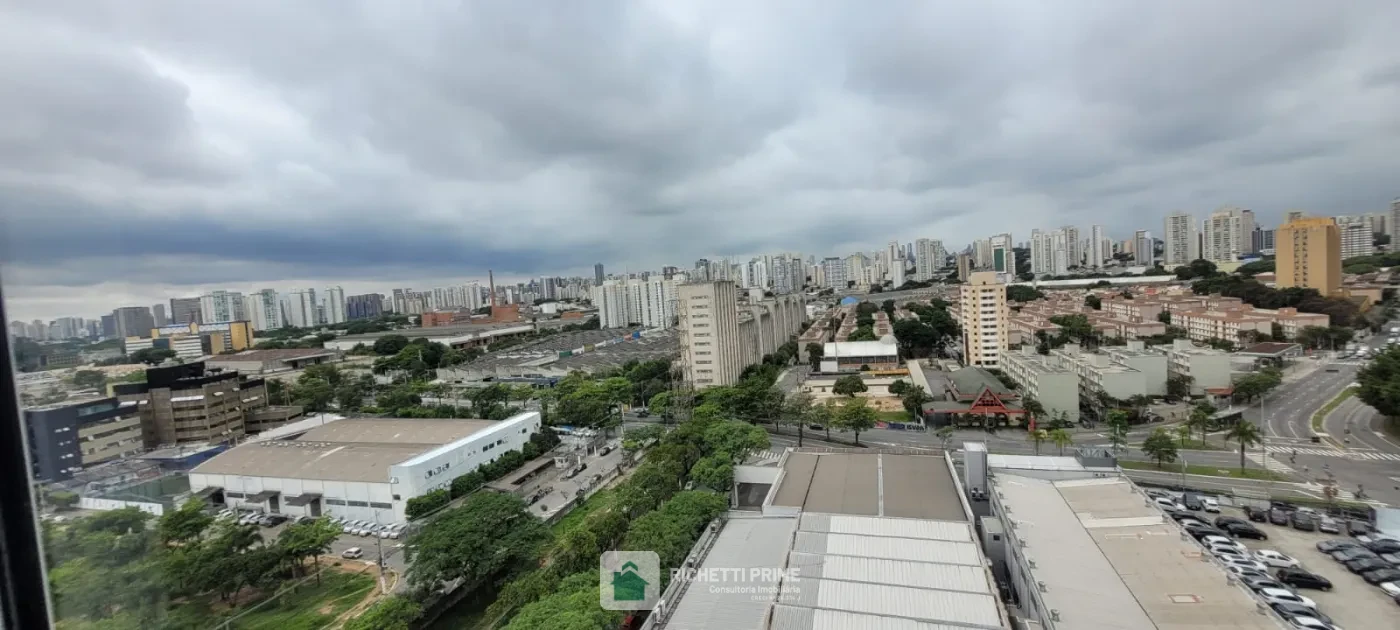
(843, 349)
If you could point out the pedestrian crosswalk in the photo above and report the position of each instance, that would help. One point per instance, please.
(766, 455)
(1351, 453)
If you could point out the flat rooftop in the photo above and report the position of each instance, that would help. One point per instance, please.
(847, 572)
(1110, 560)
(869, 484)
(280, 354)
(412, 431)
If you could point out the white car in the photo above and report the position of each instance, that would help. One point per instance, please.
(1391, 588)
(1244, 563)
(1169, 503)
(1224, 551)
(1210, 505)
(1312, 623)
(1211, 541)
(1280, 596)
(1275, 559)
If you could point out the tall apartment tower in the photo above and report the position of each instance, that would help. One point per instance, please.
(1392, 225)
(1003, 254)
(984, 320)
(1042, 256)
(1074, 249)
(265, 310)
(333, 305)
(1356, 236)
(610, 298)
(1309, 255)
(709, 324)
(1144, 249)
(1228, 232)
(222, 306)
(1096, 252)
(185, 311)
(597, 274)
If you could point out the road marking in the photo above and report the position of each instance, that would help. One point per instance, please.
(1356, 454)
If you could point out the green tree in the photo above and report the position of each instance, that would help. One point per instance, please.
(714, 472)
(857, 416)
(914, 398)
(1023, 293)
(1038, 437)
(152, 356)
(63, 499)
(315, 395)
(1061, 438)
(798, 411)
(1093, 301)
(733, 440)
(308, 539)
(1033, 407)
(1246, 434)
(489, 533)
(89, 379)
(1183, 431)
(945, 435)
(1117, 429)
(815, 352)
(573, 605)
(1179, 386)
(184, 524)
(390, 345)
(849, 385)
(1380, 383)
(1160, 447)
(395, 612)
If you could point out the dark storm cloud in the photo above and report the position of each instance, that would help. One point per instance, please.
(271, 140)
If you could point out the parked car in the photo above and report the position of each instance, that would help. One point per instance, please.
(1357, 527)
(1247, 573)
(605, 450)
(1390, 588)
(1192, 501)
(1201, 531)
(1257, 515)
(1222, 551)
(1222, 521)
(1278, 517)
(1224, 540)
(1329, 525)
(1256, 583)
(1302, 521)
(1280, 596)
(1383, 545)
(1337, 544)
(1245, 530)
(1210, 505)
(1363, 565)
(352, 553)
(1380, 576)
(1275, 559)
(1304, 579)
(1354, 553)
(1288, 611)
(1180, 516)
(1167, 502)
(1244, 563)
(1153, 492)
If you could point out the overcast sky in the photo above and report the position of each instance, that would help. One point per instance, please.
(155, 149)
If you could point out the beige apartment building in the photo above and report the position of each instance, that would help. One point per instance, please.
(709, 325)
(984, 319)
(1309, 255)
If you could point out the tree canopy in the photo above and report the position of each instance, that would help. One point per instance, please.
(1379, 383)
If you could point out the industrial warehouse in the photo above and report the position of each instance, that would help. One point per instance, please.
(359, 468)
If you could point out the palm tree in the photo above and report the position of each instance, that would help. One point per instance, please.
(1247, 434)
(1200, 419)
(1117, 429)
(1038, 436)
(1061, 438)
(1184, 432)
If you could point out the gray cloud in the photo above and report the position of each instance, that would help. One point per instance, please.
(172, 146)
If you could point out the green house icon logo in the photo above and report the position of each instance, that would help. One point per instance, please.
(628, 585)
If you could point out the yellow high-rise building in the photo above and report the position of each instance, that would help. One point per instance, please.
(984, 319)
(1309, 255)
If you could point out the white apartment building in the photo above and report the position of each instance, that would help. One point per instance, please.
(1074, 248)
(833, 272)
(1042, 253)
(711, 351)
(1119, 372)
(1046, 379)
(1204, 365)
(222, 306)
(333, 306)
(856, 265)
(1203, 325)
(1097, 253)
(611, 301)
(1228, 232)
(984, 315)
(1003, 256)
(265, 310)
(1144, 249)
(1181, 244)
(1392, 225)
(1356, 236)
(929, 257)
(300, 308)
(1061, 252)
(651, 303)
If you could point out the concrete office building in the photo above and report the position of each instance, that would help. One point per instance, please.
(1046, 379)
(1181, 240)
(265, 310)
(1228, 234)
(1207, 367)
(610, 298)
(185, 311)
(1120, 372)
(1264, 241)
(360, 468)
(1392, 225)
(1144, 248)
(131, 321)
(597, 274)
(333, 306)
(1309, 255)
(1356, 237)
(67, 437)
(1003, 256)
(184, 404)
(157, 316)
(711, 351)
(367, 306)
(222, 306)
(984, 315)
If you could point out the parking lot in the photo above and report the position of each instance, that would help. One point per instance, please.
(1352, 603)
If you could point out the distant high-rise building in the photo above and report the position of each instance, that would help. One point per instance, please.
(1294, 215)
(265, 310)
(1264, 241)
(367, 306)
(1392, 225)
(1074, 249)
(300, 308)
(929, 257)
(158, 313)
(70, 327)
(333, 305)
(984, 320)
(1144, 249)
(109, 326)
(185, 311)
(711, 352)
(964, 267)
(1229, 232)
(597, 274)
(1003, 254)
(1309, 255)
(610, 298)
(1356, 236)
(1179, 234)
(834, 272)
(1042, 256)
(982, 253)
(18, 329)
(133, 321)
(222, 306)
(1096, 251)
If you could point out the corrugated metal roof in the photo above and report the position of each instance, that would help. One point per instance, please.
(1033, 462)
(892, 548)
(970, 609)
(892, 527)
(793, 618)
(744, 543)
(948, 577)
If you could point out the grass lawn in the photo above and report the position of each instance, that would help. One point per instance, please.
(601, 498)
(893, 416)
(310, 608)
(1198, 445)
(1211, 471)
(1326, 409)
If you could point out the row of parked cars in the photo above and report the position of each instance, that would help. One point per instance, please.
(1251, 568)
(1376, 560)
(368, 528)
(253, 518)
